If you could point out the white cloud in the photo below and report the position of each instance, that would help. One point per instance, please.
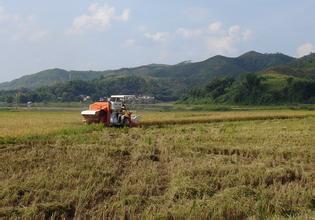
(158, 36)
(215, 26)
(99, 17)
(189, 33)
(218, 39)
(234, 31)
(18, 27)
(129, 43)
(215, 38)
(221, 45)
(225, 41)
(247, 35)
(305, 49)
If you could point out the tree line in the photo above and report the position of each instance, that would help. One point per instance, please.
(74, 91)
(253, 89)
(249, 89)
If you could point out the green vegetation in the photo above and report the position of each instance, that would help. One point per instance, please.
(165, 82)
(49, 78)
(258, 89)
(303, 67)
(220, 170)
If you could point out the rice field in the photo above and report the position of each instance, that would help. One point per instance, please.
(23, 123)
(28, 123)
(196, 165)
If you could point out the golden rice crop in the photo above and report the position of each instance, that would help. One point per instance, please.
(26, 123)
(259, 169)
(22, 123)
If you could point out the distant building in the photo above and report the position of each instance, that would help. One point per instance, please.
(86, 98)
(136, 99)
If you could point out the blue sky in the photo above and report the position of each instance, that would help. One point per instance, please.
(98, 35)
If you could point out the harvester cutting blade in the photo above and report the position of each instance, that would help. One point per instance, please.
(91, 116)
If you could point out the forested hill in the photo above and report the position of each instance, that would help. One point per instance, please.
(49, 77)
(291, 83)
(187, 73)
(302, 68)
(252, 78)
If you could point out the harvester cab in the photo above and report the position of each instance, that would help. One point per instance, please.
(116, 102)
(112, 112)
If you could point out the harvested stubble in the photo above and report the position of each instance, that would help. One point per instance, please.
(227, 170)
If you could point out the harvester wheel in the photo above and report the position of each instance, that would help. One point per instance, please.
(102, 116)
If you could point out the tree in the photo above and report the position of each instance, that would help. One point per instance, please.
(219, 86)
(249, 90)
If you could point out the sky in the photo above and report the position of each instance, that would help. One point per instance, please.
(98, 35)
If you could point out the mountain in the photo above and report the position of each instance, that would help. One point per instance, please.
(301, 68)
(254, 61)
(284, 84)
(184, 75)
(48, 78)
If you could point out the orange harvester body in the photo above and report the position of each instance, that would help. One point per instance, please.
(103, 110)
(110, 114)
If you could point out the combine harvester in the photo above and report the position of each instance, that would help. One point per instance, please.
(112, 112)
